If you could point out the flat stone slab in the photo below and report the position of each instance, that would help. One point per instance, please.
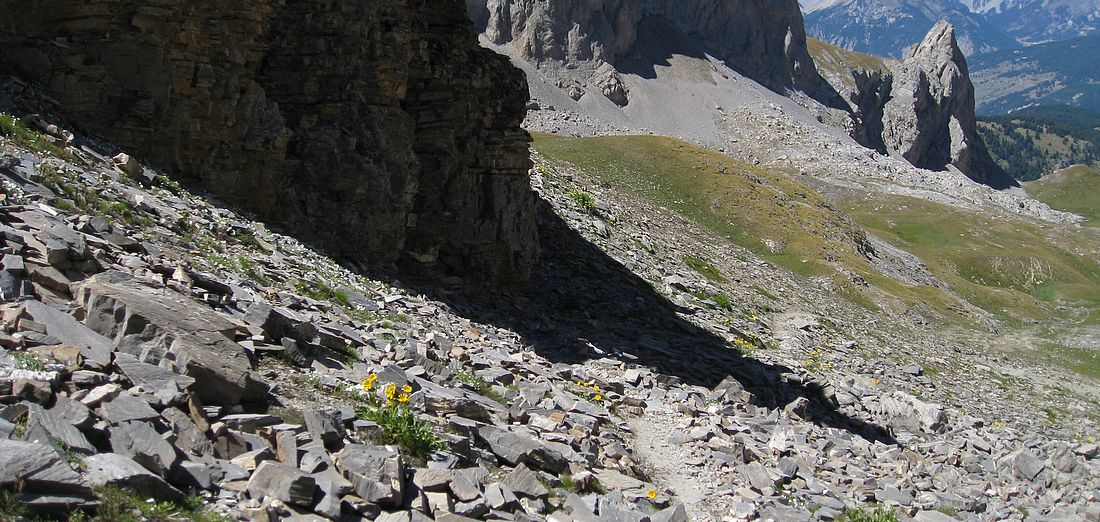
(93, 346)
(112, 469)
(160, 327)
(39, 468)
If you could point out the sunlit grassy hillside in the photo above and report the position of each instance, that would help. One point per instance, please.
(1019, 271)
(1075, 189)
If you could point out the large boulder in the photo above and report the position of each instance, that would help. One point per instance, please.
(163, 328)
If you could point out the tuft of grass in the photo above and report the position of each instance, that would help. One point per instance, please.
(16, 130)
(11, 508)
(28, 361)
(478, 384)
(123, 505)
(248, 239)
(322, 292)
(168, 184)
(868, 514)
(593, 486)
(705, 269)
(584, 201)
(401, 427)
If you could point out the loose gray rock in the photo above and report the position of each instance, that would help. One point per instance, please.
(283, 482)
(112, 469)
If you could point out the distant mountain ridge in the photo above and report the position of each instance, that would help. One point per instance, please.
(888, 27)
(1064, 72)
(1037, 21)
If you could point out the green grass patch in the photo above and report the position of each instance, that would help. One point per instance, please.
(1074, 189)
(765, 211)
(320, 291)
(705, 269)
(1012, 268)
(16, 130)
(868, 514)
(478, 384)
(28, 361)
(401, 427)
(585, 201)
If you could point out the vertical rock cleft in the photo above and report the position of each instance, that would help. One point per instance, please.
(379, 130)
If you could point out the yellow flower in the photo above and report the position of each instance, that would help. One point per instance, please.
(407, 389)
(403, 398)
(651, 494)
(597, 387)
(390, 390)
(1090, 440)
(581, 384)
(368, 383)
(389, 404)
(598, 398)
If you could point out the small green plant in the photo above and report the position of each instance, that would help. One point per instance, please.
(168, 184)
(15, 129)
(248, 239)
(28, 361)
(21, 426)
(478, 384)
(321, 292)
(399, 423)
(593, 486)
(867, 514)
(122, 505)
(584, 200)
(760, 290)
(11, 508)
(720, 300)
(705, 269)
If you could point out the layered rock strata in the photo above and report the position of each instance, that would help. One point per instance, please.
(377, 130)
(763, 39)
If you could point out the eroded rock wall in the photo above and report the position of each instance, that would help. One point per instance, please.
(378, 130)
(765, 39)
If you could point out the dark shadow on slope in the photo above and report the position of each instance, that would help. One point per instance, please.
(662, 41)
(656, 49)
(582, 304)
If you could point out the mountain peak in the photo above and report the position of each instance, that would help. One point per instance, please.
(940, 41)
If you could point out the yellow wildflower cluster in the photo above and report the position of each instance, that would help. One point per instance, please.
(651, 494)
(743, 345)
(390, 391)
(814, 361)
(591, 385)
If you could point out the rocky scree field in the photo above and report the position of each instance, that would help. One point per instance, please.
(158, 345)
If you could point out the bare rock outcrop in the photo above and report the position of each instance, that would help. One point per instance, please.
(380, 131)
(763, 39)
(930, 119)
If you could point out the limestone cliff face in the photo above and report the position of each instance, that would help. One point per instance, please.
(378, 130)
(764, 39)
(930, 119)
